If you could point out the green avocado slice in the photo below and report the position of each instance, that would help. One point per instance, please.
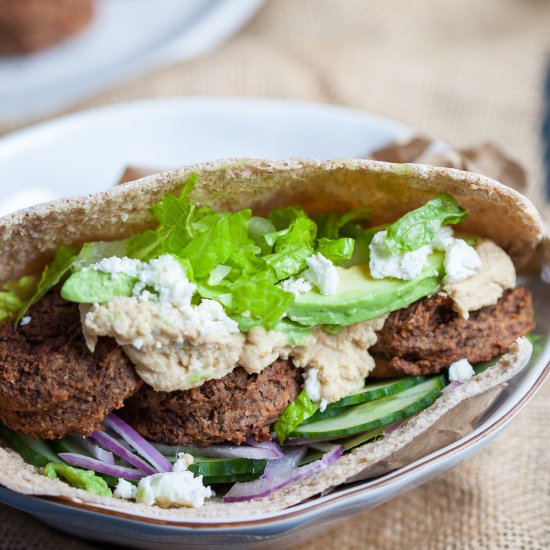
(360, 297)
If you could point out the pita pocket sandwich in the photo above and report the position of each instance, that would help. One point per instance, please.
(238, 336)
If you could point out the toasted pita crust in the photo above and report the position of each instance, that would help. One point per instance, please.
(429, 431)
(30, 237)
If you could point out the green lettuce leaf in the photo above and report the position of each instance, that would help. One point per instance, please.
(300, 409)
(282, 218)
(330, 224)
(293, 245)
(82, 479)
(418, 227)
(290, 260)
(14, 294)
(175, 229)
(51, 276)
(258, 228)
(92, 253)
(336, 250)
(261, 300)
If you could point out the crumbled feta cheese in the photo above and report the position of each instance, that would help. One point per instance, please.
(167, 277)
(183, 462)
(218, 274)
(322, 274)
(138, 343)
(461, 261)
(404, 266)
(210, 318)
(296, 286)
(313, 388)
(124, 489)
(444, 238)
(115, 266)
(176, 488)
(312, 384)
(461, 371)
(25, 320)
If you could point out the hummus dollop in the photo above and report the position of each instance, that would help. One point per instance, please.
(485, 287)
(172, 348)
(175, 348)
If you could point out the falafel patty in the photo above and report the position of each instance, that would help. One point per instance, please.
(229, 409)
(428, 336)
(50, 383)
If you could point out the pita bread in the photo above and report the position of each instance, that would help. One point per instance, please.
(30, 237)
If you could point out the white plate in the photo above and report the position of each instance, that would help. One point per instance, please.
(125, 38)
(88, 151)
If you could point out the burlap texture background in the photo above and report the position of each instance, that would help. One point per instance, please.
(466, 71)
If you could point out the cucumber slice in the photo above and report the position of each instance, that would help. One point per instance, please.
(376, 390)
(33, 451)
(66, 445)
(374, 414)
(348, 443)
(370, 392)
(221, 480)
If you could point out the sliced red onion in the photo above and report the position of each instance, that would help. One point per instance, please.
(95, 450)
(271, 446)
(452, 386)
(97, 466)
(138, 443)
(394, 426)
(322, 447)
(109, 442)
(222, 451)
(281, 473)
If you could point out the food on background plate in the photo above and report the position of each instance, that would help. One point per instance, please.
(234, 328)
(27, 26)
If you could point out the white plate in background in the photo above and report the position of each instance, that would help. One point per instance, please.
(87, 151)
(125, 38)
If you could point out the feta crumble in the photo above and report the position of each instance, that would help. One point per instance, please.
(461, 259)
(404, 266)
(313, 388)
(296, 286)
(25, 320)
(115, 266)
(164, 275)
(322, 273)
(124, 489)
(169, 280)
(461, 371)
(176, 488)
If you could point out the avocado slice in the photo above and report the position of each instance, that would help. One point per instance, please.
(360, 297)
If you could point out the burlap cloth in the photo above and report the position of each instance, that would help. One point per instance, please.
(466, 71)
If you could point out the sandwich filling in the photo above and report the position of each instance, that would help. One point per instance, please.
(221, 328)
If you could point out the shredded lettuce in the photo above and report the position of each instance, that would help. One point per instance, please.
(330, 224)
(15, 294)
(418, 227)
(82, 479)
(336, 250)
(51, 276)
(298, 411)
